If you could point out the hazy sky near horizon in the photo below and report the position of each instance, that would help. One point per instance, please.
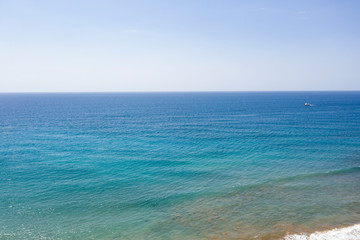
(138, 45)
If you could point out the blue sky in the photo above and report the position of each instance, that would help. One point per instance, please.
(66, 46)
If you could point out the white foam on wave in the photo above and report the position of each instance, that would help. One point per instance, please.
(347, 233)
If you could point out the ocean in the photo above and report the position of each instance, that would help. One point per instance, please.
(236, 165)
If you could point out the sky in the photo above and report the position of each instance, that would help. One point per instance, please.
(179, 45)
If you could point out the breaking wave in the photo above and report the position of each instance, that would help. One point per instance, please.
(347, 233)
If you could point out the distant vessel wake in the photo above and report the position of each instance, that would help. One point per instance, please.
(308, 104)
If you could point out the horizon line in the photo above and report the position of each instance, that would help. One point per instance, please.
(198, 91)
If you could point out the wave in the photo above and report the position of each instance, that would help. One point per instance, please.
(274, 181)
(347, 233)
(319, 174)
(228, 192)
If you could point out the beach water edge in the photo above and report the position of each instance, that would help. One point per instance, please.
(346, 233)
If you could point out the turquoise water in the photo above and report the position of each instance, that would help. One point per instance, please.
(178, 165)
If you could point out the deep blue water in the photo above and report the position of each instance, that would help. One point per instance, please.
(177, 165)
